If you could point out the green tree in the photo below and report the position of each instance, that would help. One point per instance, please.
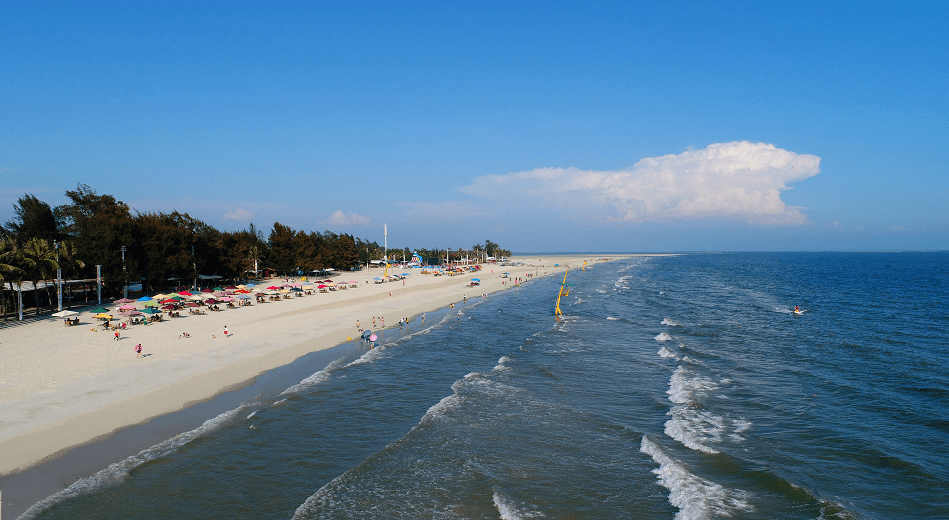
(99, 226)
(10, 271)
(33, 218)
(346, 253)
(281, 248)
(38, 259)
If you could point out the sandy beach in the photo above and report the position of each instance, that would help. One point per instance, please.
(62, 387)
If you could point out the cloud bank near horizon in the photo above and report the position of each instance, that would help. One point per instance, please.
(338, 218)
(728, 181)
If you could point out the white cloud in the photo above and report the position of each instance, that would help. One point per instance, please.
(734, 181)
(239, 214)
(338, 218)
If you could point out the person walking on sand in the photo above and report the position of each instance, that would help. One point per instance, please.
(225, 331)
(116, 338)
(373, 322)
(357, 326)
(138, 350)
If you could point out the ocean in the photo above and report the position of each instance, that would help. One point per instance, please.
(673, 387)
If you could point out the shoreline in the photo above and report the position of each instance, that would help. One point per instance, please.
(54, 440)
(40, 426)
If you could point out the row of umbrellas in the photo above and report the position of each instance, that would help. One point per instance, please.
(153, 304)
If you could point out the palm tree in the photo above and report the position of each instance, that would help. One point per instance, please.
(9, 271)
(68, 261)
(39, 259)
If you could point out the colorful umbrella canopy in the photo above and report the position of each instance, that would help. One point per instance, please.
(65, 314)
(151, 303)
(144, 299)
(206, 290)
(123, 300)
(185, 293)
(151, 310)
(127, 307)
(131, 313)
(104, 316)
(100, 310)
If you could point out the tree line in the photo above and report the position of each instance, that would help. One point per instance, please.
(164, 250)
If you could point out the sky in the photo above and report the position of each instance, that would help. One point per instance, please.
(541, 126)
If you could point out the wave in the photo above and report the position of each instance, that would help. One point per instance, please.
(670, 322)
(314, 379)
(694, 496)
(119, 471)
(663, 337)
(666, 353)
(509, 511)
(683, 388)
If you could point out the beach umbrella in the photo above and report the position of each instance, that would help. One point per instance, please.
(192, 304)
(273, 288)
(123, 300)
(151, 310)
(104, 316)
(185, 293)
(245, 296)
(251, 285)
(151, 303)
(131, 313)
(65, 314)
(144, 299)
(476, 279)
(127, 307)
(230, 287)
(100, 310)
(206, 290)
(218, 288)
(168, 307)
(225, 299)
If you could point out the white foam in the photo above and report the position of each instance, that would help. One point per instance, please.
(117, 472)
(670, 322)
(252, 414)
(509, 511)
(694, 496)
(666, 353)
(695, 429)
(685, 386)
(663, 337)
(612, 318)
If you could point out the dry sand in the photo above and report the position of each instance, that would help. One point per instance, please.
(61, 387)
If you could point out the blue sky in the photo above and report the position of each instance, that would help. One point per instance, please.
(543, 126)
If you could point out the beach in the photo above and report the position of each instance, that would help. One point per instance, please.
(61, 387)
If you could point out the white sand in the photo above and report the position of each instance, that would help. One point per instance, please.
(61, 387)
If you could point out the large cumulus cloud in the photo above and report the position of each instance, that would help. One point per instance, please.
(734, 181)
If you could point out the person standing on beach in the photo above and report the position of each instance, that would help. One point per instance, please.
(358, 328)
(116, 336)
(138, 350)
(373, 322)
(225, 331)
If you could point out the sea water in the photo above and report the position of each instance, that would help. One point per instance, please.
(673, 387)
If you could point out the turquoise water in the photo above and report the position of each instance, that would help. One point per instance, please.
(675, 387)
